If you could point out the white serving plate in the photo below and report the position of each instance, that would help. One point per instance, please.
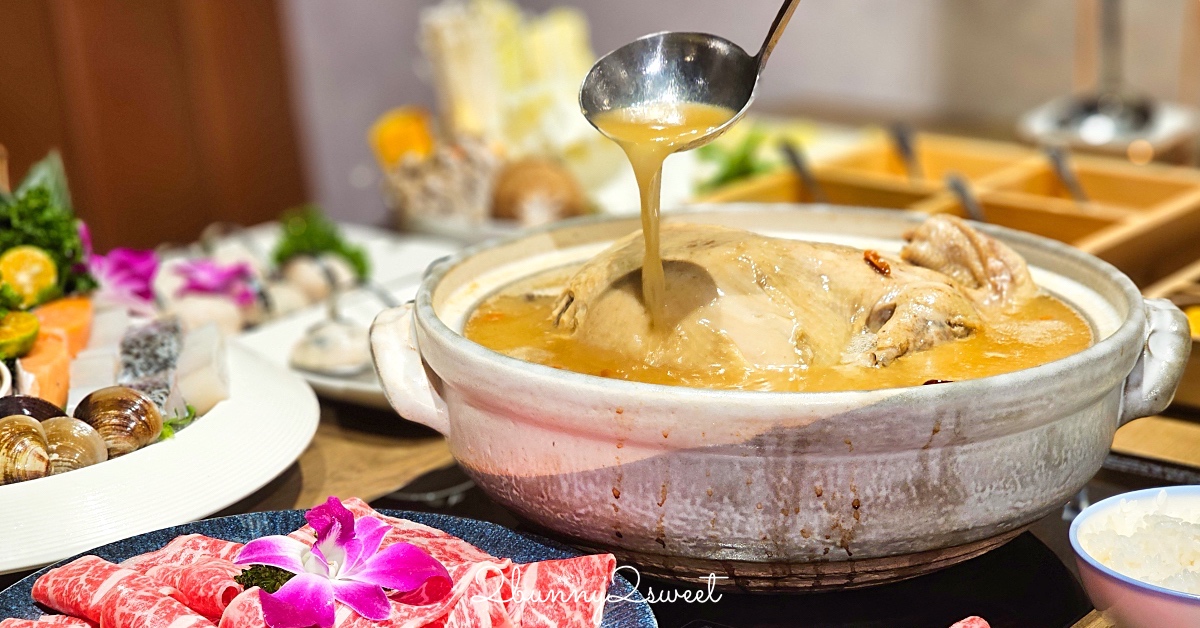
(397, 261)
(235, 449)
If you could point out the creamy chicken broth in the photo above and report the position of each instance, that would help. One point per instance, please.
(518, 322)
(648, 135)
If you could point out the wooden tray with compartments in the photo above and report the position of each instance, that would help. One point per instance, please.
(1144, 219)
(1183, 288)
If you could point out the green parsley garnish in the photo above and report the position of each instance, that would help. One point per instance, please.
(307, 231)
(176, 423)
(39, 214)
(10, 299)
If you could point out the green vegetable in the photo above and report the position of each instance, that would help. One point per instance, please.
(740, 162)
(10, 299)
(267, 578)
(39, 214)
(307, 231)
(50, 175)
(176, 423)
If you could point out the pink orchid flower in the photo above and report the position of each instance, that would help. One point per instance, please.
(344, 565)
(203, 276)
(126, 276)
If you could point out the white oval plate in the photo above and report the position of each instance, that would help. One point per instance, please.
(234, 450)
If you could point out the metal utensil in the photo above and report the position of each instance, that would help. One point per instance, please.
(958, 184)
(1061, 163)
(795, 156)
(905, 143)
(671, 67)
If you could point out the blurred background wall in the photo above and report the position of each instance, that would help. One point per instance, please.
(174, 113)
(973, 64)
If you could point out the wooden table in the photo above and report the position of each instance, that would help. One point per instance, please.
(1093, 620)
(357, 452)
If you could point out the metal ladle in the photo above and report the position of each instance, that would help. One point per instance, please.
(671, 67)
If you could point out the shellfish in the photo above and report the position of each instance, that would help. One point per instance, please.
(25, 405)
(73, 444)
(23, 449)
(125, 418)
(5, 380)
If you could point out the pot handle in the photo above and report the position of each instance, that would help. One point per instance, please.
(1151, 385)
(401, 370)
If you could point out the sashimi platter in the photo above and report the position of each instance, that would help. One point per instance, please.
(116, 416)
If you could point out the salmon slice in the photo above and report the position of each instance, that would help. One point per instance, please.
(70, 315)
(49, 362)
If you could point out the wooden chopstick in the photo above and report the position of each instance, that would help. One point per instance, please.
(1093, 620)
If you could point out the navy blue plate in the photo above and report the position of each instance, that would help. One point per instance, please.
(626, 607)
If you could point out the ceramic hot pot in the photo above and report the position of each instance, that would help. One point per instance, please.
(777, 490)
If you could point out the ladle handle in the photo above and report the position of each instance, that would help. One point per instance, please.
(773, 35)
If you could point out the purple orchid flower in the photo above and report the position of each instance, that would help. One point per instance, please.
(126, 276)
(344, 565)
(203, 276)
(85, 238)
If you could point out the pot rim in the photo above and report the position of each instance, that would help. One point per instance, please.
(1130, 331)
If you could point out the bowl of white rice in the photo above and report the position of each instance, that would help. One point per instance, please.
(1139, 556)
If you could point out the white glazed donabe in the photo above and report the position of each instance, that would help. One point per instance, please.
(778, 490)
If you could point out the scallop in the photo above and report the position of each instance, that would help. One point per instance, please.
(73, 444)
(35, 407)
(125, 418)
(309, 276)
(334, 348)
(23, 449)
(339, 270)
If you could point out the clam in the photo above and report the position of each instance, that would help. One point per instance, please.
(23, 449)
(73, 444)
(35, 407)
(124, 417)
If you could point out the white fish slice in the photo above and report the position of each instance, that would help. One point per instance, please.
(203, 372)
(92, 370)
(108, 327)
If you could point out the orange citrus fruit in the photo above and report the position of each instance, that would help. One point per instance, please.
(29, 270)
(400, 132)
(18, 332)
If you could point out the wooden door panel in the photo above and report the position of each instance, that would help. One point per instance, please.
(174, 114)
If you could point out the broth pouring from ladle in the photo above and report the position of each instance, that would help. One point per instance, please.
(666, 93)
